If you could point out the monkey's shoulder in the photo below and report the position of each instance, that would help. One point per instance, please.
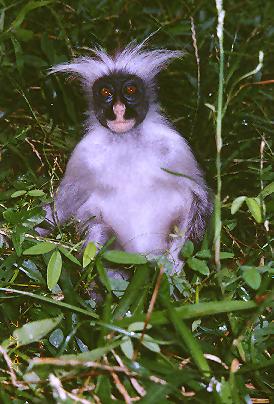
(169, 143)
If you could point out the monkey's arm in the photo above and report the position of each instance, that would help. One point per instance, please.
(73, 191)
(196, 201)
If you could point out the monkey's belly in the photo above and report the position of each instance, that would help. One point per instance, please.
(142, 221)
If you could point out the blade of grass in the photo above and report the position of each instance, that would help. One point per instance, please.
(187, 337)
(150, 309)
(193, 311)
(51, 301)
(106, 318)
(139, 280)
(262, 365)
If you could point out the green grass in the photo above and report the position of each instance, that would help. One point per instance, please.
(202, 335)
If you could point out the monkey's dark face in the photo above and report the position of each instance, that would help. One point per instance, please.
(120, 101)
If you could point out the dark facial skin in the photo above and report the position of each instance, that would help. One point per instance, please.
(120, 88)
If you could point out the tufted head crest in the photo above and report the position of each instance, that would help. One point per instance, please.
(133, 59)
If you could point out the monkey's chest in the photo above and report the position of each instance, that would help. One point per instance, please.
(131, 171)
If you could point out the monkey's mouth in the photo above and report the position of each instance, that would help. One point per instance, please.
(121, 126)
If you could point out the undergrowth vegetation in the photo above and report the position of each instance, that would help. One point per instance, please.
(201, 335)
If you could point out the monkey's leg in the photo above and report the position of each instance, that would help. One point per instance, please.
(55, 216)
(49, 222)
(179, 233)
(90, 222)
(98, 233)
(60, 210)
(174, 253)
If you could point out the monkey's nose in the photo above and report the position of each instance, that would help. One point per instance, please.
(119, 110)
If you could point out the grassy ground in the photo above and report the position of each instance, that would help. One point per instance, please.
(203, 335)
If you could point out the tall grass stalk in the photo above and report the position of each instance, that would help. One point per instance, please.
(218, 217)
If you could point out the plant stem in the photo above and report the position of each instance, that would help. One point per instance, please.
(218, 217)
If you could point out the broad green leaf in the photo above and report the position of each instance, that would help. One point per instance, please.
(33, 217)
(118, 286)
(139, 326)
(198, 265)
(30, 269)
(54, 269)
(16, 194)
(89, 254)
(35, 330)
(127, 347)
(150, 344)
(69, 256)
(252, 277)
(36, 192)
(268, 190)
(56, 337)
(187, 249)
(28, 218)
(122, 257)
(40, 248)
(11, 216)
(203, 254)
(18, 236)
(254, 208)
(237, 203)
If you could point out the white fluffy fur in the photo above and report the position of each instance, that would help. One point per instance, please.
(120, 180)
(133, 59)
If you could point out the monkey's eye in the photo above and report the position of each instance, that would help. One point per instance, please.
(106, 92)
(131, 90)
